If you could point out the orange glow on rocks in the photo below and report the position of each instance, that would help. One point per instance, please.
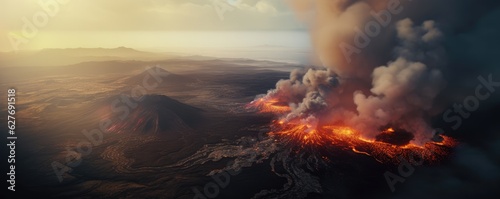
(299, 133)
(269, 106)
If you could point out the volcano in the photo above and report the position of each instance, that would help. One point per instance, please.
(158, 114)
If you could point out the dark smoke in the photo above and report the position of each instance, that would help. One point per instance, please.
(369, 81)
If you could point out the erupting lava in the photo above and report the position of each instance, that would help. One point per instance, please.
(302, 135)
(269, 106)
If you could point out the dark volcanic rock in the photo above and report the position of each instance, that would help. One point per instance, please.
(158, 114)
(399, 137)
(159, 76)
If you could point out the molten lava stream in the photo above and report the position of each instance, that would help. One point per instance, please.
(298, 133)
(269, 106)
(304, 136)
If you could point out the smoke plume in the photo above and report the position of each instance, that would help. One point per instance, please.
(378, 67)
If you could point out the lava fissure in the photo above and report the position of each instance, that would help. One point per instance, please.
(388, 146)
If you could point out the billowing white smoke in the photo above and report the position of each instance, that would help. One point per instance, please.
(404, 90)
(358, 91)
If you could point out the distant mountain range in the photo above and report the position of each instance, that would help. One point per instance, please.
(69, 56)
(167, 78)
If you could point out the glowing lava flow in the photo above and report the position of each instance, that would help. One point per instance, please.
(298, 133)
(268, 106)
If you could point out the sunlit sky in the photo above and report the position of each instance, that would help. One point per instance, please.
(148, 24)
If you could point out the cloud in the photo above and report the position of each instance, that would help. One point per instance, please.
(118, 15)
(265, 7)
(396, 77)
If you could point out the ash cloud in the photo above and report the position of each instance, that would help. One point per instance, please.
(404, 89)
(394, 78)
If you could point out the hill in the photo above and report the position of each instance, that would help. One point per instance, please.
(158, 114)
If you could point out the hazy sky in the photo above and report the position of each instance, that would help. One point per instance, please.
(75, 20)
